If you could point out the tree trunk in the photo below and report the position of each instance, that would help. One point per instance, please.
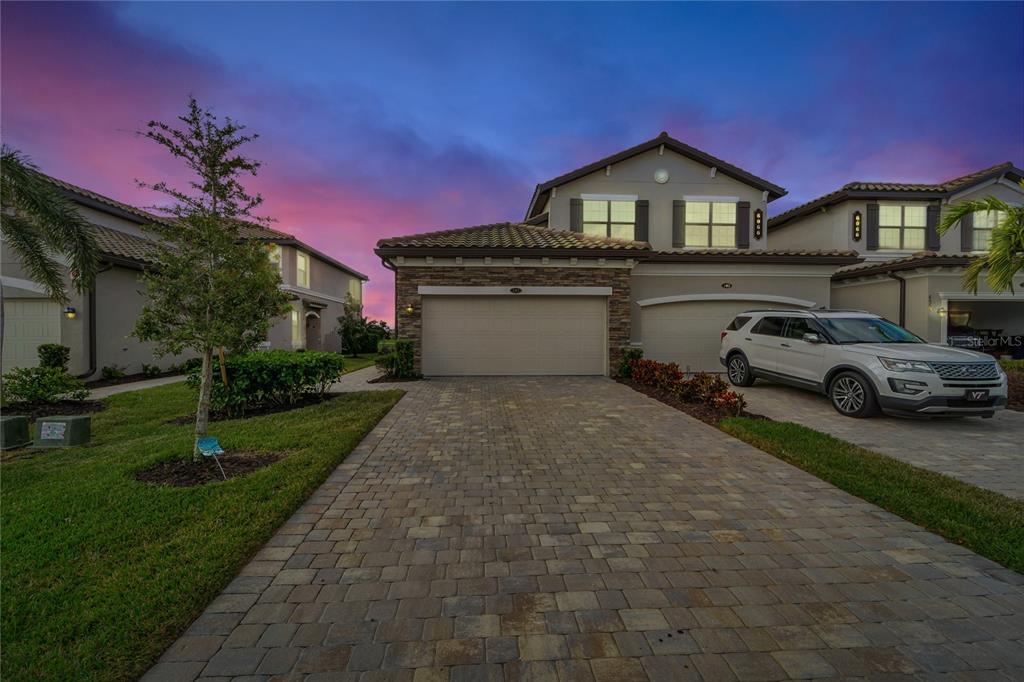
(203, 410)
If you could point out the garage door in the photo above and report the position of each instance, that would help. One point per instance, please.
(510, 335)
(689, 333)
(28, 322)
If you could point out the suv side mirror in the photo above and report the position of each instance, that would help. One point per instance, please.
(811, 337)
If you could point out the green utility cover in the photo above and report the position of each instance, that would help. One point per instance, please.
(60, 432)
(15, 433)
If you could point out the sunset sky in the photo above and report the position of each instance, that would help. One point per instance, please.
(386, 119)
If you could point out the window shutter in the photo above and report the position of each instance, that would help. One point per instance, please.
(872, 227)
(931, 231)
(641, 232)
(576, 215)
(743, 225)
(967, 232)
(678, 216)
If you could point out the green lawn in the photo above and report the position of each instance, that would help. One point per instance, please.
(101, 573)
(360, 362)
(981, 520)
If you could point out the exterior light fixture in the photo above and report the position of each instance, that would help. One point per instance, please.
(727, 285)
(408, 309)
(70, 313)
(942, 312)
(758, 223)
(858, 226)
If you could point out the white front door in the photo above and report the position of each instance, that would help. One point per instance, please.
(28, 322)
(514, 335)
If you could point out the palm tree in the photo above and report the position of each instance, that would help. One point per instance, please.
(1005, 257)
(40, 224)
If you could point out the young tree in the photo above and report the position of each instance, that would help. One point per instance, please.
(38, 222)
(209, 287)
(1005, 257)
(359, 335)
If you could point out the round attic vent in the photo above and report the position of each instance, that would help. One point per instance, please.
(661, 176)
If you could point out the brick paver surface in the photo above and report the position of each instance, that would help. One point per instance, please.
(985, 452)
(573, 529)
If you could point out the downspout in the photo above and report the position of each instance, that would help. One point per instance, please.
(903, 297)
(91, 302)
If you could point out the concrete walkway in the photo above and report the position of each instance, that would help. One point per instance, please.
(573, 529)
(985, 452)
(106, 391)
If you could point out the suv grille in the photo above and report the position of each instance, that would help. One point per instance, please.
(965, 370)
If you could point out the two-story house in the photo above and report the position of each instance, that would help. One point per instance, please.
(911, 274)
(656, 246)
(97, 326)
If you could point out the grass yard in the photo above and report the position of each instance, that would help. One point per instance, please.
(981, 520)
(360, 362)
(101, 573)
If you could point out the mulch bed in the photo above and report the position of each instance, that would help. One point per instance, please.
(62, 408)
(705, 413)
(185, 473)
(128, 379)
(305, 401)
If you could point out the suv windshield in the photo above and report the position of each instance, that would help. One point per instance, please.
(866, 330)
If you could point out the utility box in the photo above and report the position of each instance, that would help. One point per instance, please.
(15, 433)
(62, 432)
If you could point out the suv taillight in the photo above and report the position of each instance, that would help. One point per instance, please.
(724, 332)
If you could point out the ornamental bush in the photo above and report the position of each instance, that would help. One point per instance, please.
(395, 357)
(37, 385)
(629, 354)
(54, 355)
(270, 379)
(702, 388)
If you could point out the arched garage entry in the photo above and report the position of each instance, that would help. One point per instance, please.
(687, 329)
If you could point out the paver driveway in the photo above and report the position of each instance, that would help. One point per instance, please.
(986, 452)
(573, 529)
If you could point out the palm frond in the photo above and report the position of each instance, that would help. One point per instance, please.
(26, 241)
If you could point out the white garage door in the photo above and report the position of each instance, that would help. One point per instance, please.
(689, 333)
(509, 335)
(28, 322)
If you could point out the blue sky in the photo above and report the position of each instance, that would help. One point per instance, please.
(382, 119)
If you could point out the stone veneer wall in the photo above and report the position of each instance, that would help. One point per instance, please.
(409, 278)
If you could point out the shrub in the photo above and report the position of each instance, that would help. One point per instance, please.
(700, 388)
(654, 373)
(54, 355)
(151, 371)
(629, 354)
(396, 358)
(34, 385)
(703, 388)
(270, 378)
(112, 372)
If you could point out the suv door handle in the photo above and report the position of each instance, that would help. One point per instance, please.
(784, 345)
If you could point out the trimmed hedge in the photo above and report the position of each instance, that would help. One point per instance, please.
(39, 385)
(54, 355)
(629, 354)
(269, 378)
(395, 357)
(702, 388)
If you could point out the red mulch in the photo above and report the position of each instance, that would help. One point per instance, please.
(63, 408)
(185, 473)
(305, 401)
(705, 413)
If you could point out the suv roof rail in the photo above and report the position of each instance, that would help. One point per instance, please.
(790, 311)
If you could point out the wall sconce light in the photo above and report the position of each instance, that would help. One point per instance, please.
(857, 226)
(758, 223)
(70, 313)
(942, 312)
(727, 285)
(408, 309)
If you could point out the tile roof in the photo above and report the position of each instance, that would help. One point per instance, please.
(123, 245)
(921, 259)
(509, 236)
(831, 256)
(663, 138)
(927, 190)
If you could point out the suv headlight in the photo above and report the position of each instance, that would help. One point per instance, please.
(894, 365)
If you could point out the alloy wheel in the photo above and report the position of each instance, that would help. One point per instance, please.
(848, 395)
(737, 370)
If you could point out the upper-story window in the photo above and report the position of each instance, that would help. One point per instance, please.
(609, 218)
(301, 269)
(274, 253)
(710, 224)
(984, 223)
(901, 227)
(355, 290)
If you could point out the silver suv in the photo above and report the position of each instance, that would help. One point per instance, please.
(862, 362)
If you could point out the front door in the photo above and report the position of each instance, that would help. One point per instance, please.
(313, 341)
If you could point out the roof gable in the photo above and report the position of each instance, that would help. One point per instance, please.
(543, 189)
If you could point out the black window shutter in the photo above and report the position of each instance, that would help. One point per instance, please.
(678, 218)
(872, 227)
(967, 232)
(743, 225)
(641, 233)
(576, 215)
(931, 231)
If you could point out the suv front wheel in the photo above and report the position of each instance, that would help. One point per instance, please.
(852, 395)
(739, 371)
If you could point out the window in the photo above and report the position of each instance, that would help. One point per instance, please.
(738, 322)
(274, 253)
(355, 289)
(296, 329)
(302, 269)
(770, 326)
(901, 227)
(615, 219)
(710, 224)
(867, 330)
(984, 223)
(798, 326)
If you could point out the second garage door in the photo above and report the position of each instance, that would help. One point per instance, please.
(28, 323)
(513, 335)
(689, 333)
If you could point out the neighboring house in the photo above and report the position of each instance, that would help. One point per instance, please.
(910, 274)
(657, 246)
(97, 326)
